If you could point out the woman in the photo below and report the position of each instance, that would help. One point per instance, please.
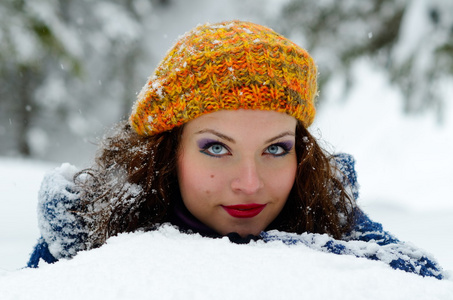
(217, 144)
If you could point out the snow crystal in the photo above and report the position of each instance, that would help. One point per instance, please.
(66, 170)
(157, 86)
(220, 26)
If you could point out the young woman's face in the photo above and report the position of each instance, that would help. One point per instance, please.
(236, 168)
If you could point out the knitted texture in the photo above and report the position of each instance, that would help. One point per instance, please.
(229, 65)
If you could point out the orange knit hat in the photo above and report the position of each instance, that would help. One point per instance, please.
(229, 65)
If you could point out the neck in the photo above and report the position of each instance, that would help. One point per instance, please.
(186, 222)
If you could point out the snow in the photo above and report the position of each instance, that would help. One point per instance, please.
(19, 184)
(48, 13)
(402, 166)
(117, 23)
(170, 265)
(404, 161)
(52, 188)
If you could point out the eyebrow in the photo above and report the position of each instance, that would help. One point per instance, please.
(220, 135)
(283, 134)
(230, 139)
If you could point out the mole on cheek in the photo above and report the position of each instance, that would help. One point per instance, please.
(212, 175)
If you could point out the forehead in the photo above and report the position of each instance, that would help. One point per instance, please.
(242, 121)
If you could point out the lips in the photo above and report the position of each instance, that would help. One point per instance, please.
(244, 210)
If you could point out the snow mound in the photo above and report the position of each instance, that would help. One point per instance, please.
(167, 264)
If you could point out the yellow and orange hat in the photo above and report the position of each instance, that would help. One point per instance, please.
(230, 65)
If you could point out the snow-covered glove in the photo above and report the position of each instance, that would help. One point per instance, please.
(366, 240)
(63, 233)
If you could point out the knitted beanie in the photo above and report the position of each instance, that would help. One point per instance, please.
(230, 65)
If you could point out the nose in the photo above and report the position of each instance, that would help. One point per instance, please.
(247, 179)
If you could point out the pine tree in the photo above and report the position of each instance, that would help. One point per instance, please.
(411, 40)
(63, 61)
(31, 42)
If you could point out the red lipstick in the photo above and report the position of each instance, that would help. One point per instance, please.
(244, 210)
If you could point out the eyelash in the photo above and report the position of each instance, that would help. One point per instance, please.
(205, 148)
(284, 146)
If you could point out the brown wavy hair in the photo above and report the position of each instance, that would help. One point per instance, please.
(133, 181)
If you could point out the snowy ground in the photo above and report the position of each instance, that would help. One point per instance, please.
(405, 170)
(169, 265)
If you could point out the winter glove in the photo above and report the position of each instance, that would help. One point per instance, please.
(63, 233)
(385, 248)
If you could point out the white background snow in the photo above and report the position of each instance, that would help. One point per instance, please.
(405, 169)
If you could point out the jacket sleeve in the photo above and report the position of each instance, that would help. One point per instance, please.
(367, 239)
(398, 254)
(63, 233)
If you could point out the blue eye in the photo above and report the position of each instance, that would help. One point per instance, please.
(279, 149)
(275, 150)
(215, 149)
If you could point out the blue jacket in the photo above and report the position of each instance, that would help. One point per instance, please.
(63, 235)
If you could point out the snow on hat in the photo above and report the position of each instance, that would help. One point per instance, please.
(230, 65)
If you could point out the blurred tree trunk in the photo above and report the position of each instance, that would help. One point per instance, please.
(129, 79)
(24, 87)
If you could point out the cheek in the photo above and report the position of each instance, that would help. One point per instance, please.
(196, 180)
(188, 177)
(283, 179)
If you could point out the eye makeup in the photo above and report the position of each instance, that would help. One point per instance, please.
(279, 149)
(286, 145)
(205, 143)
(213, 147)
